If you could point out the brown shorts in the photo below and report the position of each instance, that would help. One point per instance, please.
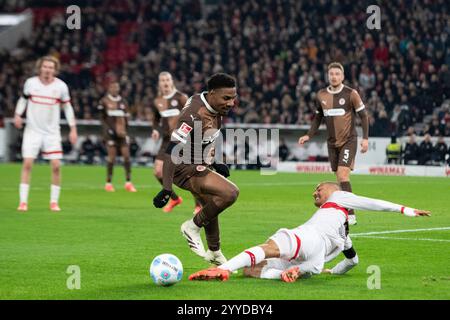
(183, 172)
(343, 156)
(118, 142)
(162, 150)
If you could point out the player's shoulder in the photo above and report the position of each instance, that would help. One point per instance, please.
(32, 80)
(60, 83)
(192, 107)
(350, 90)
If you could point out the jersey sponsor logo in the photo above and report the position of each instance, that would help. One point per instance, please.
(201, 168)
(333, 112)
(115, 113)
(341, 101)
(174, 103)
(211, 139)
(169, 113)
(184, 129)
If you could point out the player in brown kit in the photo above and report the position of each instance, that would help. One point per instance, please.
(113, 114)
(192, 143)
(339, 104)
(166, 110)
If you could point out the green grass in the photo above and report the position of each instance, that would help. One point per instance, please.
(114, 237)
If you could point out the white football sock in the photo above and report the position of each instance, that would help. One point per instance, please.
(54, 193)
(345, 265)
(23, 192)
(248, 258)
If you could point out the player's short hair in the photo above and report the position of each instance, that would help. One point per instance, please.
(336, 65)
(334, 184)
(220, 80)
(165, 73)
(48, 58)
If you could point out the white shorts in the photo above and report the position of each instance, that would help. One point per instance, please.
(302, 246)
(50, 144)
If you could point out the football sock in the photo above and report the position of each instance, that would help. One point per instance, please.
(345, 265)
(346, 186)
(207, 214)
(127, 166)
(23, 192)
(54, 193)
(249, 258)
(212, 234)
(110, 167)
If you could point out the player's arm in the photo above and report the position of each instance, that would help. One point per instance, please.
(361, 111)
(21, 106)
(156, 126)
(180, 135)
(352, 201)
(69, 114)
(317, 120)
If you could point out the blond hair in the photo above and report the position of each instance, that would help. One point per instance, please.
(48, 58)
(337, 65)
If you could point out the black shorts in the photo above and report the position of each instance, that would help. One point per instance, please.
(118, 142)
(343, 156)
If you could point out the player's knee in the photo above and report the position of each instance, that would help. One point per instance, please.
(230, 196)
(55, 169)
(27, 166)
(158, 173)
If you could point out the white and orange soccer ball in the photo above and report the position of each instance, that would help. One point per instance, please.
(166, 270)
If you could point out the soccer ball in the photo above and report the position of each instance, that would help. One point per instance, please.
(166, 270)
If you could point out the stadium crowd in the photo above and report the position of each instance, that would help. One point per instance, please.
(277, 49)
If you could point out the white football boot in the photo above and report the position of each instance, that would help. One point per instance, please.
(191, 233)
(215, 257)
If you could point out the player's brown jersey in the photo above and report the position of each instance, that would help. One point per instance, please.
(167, 110)
(339, 110)
(113, 113)
(198, 127)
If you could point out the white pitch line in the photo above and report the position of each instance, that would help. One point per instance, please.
(397, 231)
(409, 239)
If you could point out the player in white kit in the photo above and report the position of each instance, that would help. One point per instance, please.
(43, 98)
(302, 251)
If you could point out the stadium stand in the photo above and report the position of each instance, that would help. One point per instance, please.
(278, 50)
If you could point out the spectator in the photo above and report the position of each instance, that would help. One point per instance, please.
(394, 151)
(87, 152)
(440, 151)
(425, 150)
(283, 151)
(411, 151)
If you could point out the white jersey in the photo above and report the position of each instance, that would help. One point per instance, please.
(44, 102)
(330, 218)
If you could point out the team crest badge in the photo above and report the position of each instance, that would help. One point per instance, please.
(174, 103)
(341, 101)
(201, 168)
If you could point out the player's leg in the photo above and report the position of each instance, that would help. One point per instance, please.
(24, 187)
(158, 172)
(346, 160)
(55, 188)
(125, 151)
(217, 194)
(350, 261)
(112, 152)
(31, 144)
(252, 257)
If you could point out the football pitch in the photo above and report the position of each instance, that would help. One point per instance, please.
(113, 237)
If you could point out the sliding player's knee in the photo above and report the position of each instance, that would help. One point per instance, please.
(55, 169)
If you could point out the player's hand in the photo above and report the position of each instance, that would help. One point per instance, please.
(291, 275)
(155, 134)
(221, 169)
(18, 122)
(161, 199)
(364, 145)
(422, 213)
(327, 271)
(73, 136)
(303, 139)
